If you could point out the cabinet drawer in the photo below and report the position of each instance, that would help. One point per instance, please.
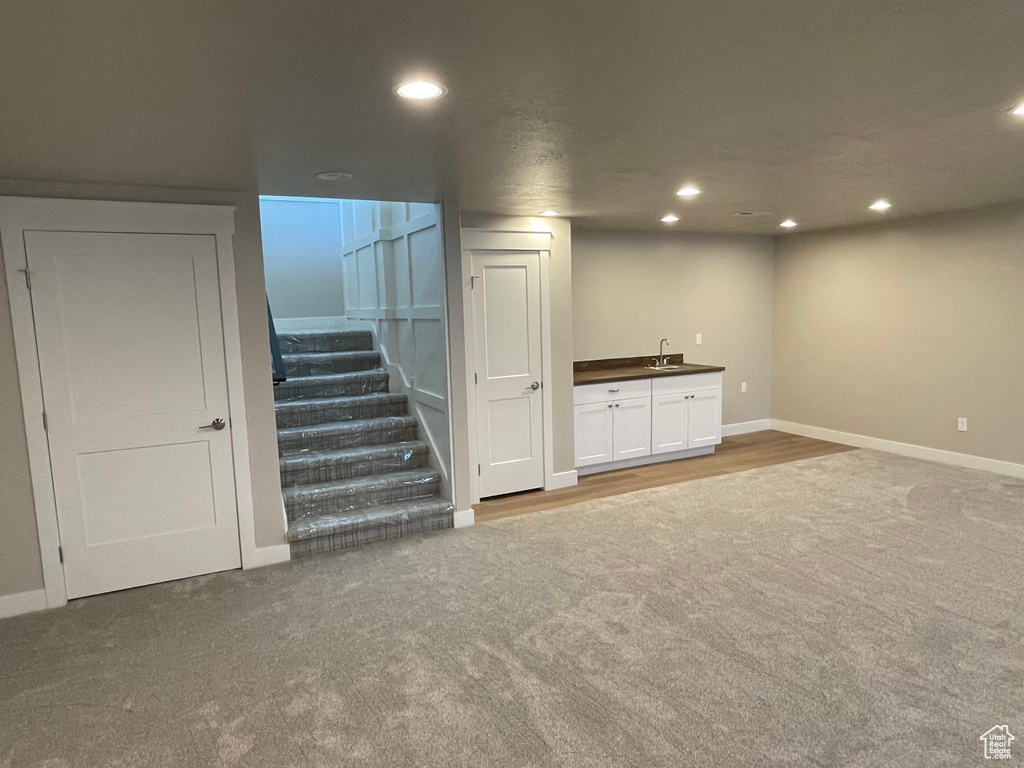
(611, 391)
(668, 385)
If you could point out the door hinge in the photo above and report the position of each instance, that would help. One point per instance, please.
(46, 424)
(28, 278)
(478, 472)
(60, 553)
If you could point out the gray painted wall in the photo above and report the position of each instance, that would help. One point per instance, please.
(631, 289)
(893, 330)
(302, 245)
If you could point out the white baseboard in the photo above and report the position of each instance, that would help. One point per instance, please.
(903, 449)
(745, 427)
(280, 553)
(292, 324)
(464, 518)
(562, 480)
(22, 602)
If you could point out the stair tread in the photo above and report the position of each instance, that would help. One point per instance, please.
(330, 378)
(364, 484)
(317, 334)
(326, 355)
(341, 399)
(363, 452)
(363, 398)
(353, 425)
(325, 525)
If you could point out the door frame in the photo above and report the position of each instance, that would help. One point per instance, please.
(504, 241)
(18, 214)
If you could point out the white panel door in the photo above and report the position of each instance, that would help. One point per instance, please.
(131, 357)
(705, 418)
(506, 302)
(669, 423)
(631, 428)
(593, 433)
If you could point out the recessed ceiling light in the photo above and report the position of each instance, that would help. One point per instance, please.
(421, 90)
(688, 191)
(788, 224)
(880, 205)
(670, 218)
(551, 213)
(1019, 109)
(333, 176)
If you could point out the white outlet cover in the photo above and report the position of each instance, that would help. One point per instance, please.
(961, 424)
(700, 338)
(743, 387)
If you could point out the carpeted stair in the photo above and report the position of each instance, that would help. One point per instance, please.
(352, 470)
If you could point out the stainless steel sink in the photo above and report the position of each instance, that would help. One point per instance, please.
(665, 367)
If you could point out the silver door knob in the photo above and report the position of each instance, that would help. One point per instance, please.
(217, 424)
(535, 385)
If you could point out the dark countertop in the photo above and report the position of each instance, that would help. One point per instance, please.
(626, 368)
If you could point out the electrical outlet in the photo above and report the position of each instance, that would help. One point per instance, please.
(743, 387)
(961, 424)
(700, 338)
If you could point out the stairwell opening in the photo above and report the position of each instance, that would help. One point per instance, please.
(355, 290)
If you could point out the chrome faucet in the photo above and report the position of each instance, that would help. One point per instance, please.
(661, 352)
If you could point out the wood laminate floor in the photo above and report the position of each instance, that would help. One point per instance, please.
(735, 454)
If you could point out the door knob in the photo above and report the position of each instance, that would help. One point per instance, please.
(217, 424)
(535, 385)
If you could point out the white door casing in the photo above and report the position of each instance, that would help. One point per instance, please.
(131, 355)
(21, 215)
(509, 371)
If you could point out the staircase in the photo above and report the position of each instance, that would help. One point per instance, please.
(352, 470)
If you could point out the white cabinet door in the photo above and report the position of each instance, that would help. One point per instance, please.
(669, 423)
(705, 423)
(593, 433)
(631, 428)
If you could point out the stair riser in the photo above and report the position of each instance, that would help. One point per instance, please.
(300, 389)
(300, 365)
(343, 341)
(326, 440)
(328, 503)
(356, 536)
(326, 414)
(297, 473)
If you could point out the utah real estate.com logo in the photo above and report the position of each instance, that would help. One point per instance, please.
(997, 742)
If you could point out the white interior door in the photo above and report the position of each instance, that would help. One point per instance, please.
(131, 356)
(510, 417)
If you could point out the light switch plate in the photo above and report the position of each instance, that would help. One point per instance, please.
(700, 338)
(743, 387)
(961, 424)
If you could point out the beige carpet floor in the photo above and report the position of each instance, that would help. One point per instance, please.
(851, 610)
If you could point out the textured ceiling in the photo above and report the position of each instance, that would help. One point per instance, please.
(598, 109)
